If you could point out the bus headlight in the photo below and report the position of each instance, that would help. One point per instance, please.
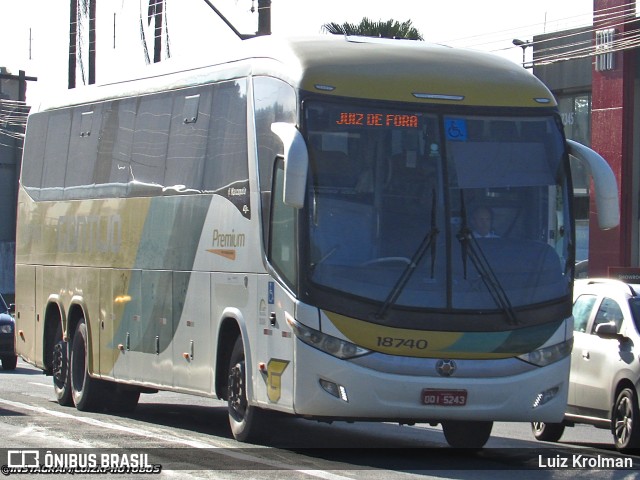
(548, 355)
(326, 343)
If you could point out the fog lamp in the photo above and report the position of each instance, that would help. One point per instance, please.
(546, 396)
(334, 389)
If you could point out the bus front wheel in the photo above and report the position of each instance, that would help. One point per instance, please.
(85, 390)
(247, 422)
(461, 434)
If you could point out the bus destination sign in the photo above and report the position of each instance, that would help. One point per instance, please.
(392, 120)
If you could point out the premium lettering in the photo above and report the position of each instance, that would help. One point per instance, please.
(228, 240)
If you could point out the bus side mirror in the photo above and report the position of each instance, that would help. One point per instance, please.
(606, 187)
(296, 163)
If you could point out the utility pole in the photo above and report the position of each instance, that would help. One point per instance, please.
(264, 17)
(92, 42)
(73, 42)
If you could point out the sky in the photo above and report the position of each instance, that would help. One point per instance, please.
(34, 33)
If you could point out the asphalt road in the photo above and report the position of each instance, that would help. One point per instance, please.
(189, 438)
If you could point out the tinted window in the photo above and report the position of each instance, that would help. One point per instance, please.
(83, 143)
(275, 101)
(634, 304)
(226, 167)
(34, 153)
(114, 149)
(282, 247)
(581, 311)
(56, 151)
(187, 141)
(150, 140)
(609, 311)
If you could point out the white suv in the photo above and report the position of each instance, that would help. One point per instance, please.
(605, 363)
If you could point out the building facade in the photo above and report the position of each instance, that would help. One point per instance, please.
(593, 72)
(13, 117)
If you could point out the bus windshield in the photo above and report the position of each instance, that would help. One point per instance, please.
(422, 210)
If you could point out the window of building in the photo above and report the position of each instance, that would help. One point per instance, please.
(575, 111)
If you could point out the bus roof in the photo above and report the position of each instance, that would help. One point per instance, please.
(409, 70)
(358, 67)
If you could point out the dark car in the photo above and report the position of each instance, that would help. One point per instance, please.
(7, 337)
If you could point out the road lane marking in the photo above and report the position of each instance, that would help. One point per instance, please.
(174, 440)
(46, 385)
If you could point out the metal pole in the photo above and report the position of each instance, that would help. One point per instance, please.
(264, 17)
(241, 36)
(92, 42)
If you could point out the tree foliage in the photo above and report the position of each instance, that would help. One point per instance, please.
(368, 28)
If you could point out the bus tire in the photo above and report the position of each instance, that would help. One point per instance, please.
(247, 422)
(9, 362)
(547, 432)
(467, 434)
(625, 421)
(86, 391)
(60, 369)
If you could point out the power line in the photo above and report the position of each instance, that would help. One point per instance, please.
(13, 120)
(611, 17)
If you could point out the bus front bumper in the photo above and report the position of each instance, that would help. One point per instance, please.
(333, 389)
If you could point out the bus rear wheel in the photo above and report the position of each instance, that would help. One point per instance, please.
(462, 434)
(86, 391)
(60, 368)
(248, 423)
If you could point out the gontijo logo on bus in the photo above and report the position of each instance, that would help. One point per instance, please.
(226, 243)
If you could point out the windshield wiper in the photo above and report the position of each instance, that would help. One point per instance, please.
(471, 249)
(428, 242)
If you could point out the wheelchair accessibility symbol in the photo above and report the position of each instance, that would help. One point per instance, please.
(456, 130)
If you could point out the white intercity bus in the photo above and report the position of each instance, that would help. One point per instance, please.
(297, 229)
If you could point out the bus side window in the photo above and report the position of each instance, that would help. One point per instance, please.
(188, 141)
(274, 101)
(56, 152)
(282, 242)
(34, 154)
(226, 164)
(151, 137)
(83, 152)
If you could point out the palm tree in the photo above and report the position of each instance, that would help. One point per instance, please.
(369, 28)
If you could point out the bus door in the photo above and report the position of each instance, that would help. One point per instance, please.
(274, 354)
(275, 341)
